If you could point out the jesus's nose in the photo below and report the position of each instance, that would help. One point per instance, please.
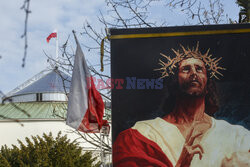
(193, 74)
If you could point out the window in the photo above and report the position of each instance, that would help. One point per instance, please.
(39, 97)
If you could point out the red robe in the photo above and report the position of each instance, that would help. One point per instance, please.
(132, 149)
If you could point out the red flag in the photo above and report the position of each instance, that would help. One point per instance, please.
(85, 104)
(52, 35)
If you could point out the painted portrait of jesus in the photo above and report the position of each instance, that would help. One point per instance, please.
(188, 135)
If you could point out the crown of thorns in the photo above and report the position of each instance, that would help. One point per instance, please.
(167, 68)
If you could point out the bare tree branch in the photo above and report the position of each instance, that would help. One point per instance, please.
(25, 7)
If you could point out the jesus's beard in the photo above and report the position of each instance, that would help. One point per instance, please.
(192, 89)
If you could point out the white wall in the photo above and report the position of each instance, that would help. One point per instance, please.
(24, 98)
(11, 131)
(45, 97)
(54, 97)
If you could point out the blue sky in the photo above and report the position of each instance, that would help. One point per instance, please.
(64, 15)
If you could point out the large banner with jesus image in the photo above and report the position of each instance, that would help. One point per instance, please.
(181, 96)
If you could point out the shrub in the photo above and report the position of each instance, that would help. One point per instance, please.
(46, 151)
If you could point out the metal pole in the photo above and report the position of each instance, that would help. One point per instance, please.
(101, 148)
(57, 48)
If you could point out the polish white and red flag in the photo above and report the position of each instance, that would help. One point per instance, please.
(52, 35)
(85, 104)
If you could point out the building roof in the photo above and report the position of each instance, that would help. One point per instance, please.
(55, 81)
(33, 111)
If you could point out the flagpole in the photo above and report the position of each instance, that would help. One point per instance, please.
(57, 48)
(101, 148)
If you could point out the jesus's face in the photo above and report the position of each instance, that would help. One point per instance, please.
(192, 77)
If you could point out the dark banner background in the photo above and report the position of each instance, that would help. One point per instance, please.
(138, 57)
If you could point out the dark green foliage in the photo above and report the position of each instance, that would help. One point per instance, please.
(46, 151)
(244, 15)
(3, 162)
